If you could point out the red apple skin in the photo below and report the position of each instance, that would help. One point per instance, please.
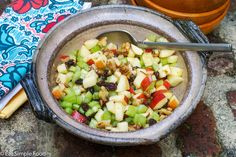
(145, 83)
(131, 90)
(159, 92)
(167, 84)
(141, 96)
(78, 117)
(156, 100)
(90, 62)
(64, 58)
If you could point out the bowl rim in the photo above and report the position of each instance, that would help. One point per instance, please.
(114, 140)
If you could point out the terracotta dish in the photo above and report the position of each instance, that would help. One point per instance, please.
(207, 21)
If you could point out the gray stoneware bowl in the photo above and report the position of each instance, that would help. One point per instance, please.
(73, 31)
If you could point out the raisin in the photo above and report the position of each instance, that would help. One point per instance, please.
(110, 86)
(132, 78)
(101, 83)
(90, 89)
(85, 107)
(152, 122)
(79, 82)
(157, 74)
(70, 62)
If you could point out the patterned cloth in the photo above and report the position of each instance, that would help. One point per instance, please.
(22, 25)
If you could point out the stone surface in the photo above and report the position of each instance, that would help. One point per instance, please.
(197, 136)
(231, 96)
(23, 133)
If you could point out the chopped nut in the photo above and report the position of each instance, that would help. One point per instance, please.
(103, 93)
(125, 70)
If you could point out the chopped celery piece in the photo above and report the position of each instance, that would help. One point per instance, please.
(151, 86)
(69, 91)
(106, 115)
(141, 109)
(140, 120)
(79, 100)
(93, 123)
(131, 111)
(83, 65)
(142, 62)
(155, 116)
(97, 88)
(69, 110)
(88, 97)
(172, 64)
(164, 61)
(76, 107)
(72, 68)
(123, 61)
(93, 103)
(152, 37)
(65, 104)
(155, 67)
(96, 108)
(112, 93)
(72, 56)
(96, 96)
(81, 110)
(95, 49)
(129, 120)
(89, 112)
(76, 76)
(70, 98)
(114, 123)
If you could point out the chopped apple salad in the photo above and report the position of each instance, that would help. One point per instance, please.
(118, 88)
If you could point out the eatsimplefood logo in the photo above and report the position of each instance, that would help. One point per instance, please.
(25, 154)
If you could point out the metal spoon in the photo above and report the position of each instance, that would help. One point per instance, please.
(122, 36)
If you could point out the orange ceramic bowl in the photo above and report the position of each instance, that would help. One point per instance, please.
(208, 27)
(187, 6)
(198, 18)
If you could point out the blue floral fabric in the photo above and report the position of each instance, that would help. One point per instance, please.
(22, 25)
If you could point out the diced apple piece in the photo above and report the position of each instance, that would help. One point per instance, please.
(138, 80)
(162, 39)
(176, 71)
(90, 79)
(172, 59)
(117, 74)
(156, 52)
(123, 126)
(164, 71)
(103, 41)
(84, 52)
(136, 50)
(61, 78)
(174, 80)
(119, 114)
(111, 46)
(118, 98)
(158, 101)
(134, 62)
(166, 53)
(123, 84)
(162, 87)
(112, 79)
(62, 68)
(111, 107)
(125, 93)
(98, 115)
(91, 43)
(167, 84)
(131, 53)
(173, 103)
(147, 59)
(168, 94)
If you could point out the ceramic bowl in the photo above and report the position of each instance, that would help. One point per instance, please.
(187, 6)
(73, 31)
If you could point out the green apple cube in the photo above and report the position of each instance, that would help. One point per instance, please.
(91, 43)
(136, 50)
(148, 59)
(62, 68)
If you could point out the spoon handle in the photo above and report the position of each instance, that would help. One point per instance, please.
(183, 46)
